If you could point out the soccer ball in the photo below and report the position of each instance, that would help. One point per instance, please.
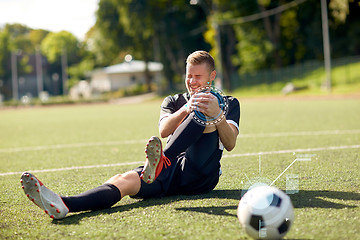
(265, 213)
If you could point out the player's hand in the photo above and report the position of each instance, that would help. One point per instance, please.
(191, 105)
(206, 103)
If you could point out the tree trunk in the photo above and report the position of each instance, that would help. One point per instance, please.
(229, 48)
(148, 77)
(273, 32)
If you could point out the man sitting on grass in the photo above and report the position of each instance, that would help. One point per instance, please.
(198, 125)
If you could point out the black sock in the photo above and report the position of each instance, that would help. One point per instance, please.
(98, 198)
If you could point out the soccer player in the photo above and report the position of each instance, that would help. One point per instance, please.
(198, 126)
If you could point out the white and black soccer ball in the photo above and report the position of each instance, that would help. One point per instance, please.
(265, 213)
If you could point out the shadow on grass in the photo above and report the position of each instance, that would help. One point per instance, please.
(302, 199)
(323, 199)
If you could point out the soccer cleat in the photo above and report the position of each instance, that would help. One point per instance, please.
(155, 160)
(50, 202)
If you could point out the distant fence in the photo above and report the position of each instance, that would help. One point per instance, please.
(298, 71)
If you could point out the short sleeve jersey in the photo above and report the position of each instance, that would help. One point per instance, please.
(173, 103)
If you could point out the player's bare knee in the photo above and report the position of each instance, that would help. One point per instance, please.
(129, 176)
(127, 183)
(116, 179)
(119, 176)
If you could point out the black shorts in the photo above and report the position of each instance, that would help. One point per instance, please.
(195, 163)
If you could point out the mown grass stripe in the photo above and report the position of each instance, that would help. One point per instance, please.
(73, 168)
(292, 151)
(225, 156)
(111, 143)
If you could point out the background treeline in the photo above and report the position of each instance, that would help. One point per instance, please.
(168, 30)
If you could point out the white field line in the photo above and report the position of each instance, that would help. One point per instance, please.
(225, 156)
(73, 168)
(71, 145)
(302, 133)
(111, 143)
(292, 151)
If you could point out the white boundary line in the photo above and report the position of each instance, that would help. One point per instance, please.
(94, 144)
(74, 168)
(225, 156)
(293, 151)
(302, 133)
(72, 145)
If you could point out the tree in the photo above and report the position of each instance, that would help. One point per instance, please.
(5, 52)
(107, 38)
(63, 48)
(165, 31)
(14, 40)
(243, 45)
(54, 43)
(5, 68)
(339, 9)
(139, 30)
(79, 71)
(36, 36)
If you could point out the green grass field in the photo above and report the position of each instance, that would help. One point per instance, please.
(106, 139)
(345, 80)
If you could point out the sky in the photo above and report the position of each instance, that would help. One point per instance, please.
(75, 16)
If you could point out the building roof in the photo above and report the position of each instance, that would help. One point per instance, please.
(132, 67)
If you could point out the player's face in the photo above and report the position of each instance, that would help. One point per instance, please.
(198, 76)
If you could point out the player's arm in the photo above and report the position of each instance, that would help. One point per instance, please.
(169, 123)
(227, 133)
(228, 129)
(208, 105)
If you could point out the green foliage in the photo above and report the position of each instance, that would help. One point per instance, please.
(291, 51)
(14, 38)
(36, 36)
(24, 42)
(265, 3)
(158, 30)
(5, 52)
(286, 38)
(78, 71)
(54, 44)
(17, 30)
(253, 49)
(107, 36)
(24, 66)
(308, 78)
(339, 10)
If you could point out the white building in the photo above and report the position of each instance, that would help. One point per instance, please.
(124, 75)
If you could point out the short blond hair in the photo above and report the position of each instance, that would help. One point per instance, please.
(199, 57)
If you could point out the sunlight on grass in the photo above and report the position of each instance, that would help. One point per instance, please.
(345, 79)
(327, 201)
